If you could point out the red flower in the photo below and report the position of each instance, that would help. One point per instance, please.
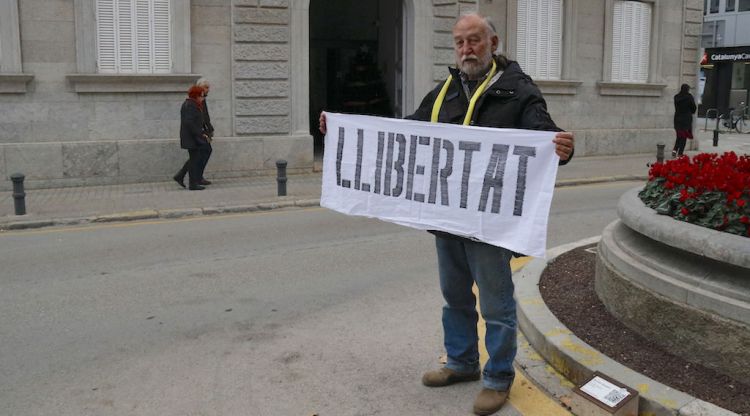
(684, 195)
(703, 182)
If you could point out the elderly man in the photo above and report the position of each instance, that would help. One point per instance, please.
(483, 90)
(208, 128)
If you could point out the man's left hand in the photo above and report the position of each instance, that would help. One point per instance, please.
(564, 143)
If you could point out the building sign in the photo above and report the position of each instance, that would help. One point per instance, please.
(717, 55)
(493, 185)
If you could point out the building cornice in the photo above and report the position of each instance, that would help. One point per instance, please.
(107, 83)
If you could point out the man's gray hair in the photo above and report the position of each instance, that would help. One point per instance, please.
(202, 82)
(485, 20)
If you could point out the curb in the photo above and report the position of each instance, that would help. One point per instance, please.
(577, 360)
(151, 214)
(599, 179)
(8, 225)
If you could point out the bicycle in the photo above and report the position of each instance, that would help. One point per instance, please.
(738, 119)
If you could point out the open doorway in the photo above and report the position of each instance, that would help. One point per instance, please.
(356, 59)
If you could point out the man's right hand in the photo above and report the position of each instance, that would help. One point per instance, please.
(322, 122)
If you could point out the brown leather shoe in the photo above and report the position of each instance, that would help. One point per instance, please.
(489, 401)
(445, 377)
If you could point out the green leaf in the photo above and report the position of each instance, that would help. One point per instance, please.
(664, 208)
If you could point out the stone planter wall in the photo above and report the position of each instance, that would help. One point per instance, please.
(685, 287)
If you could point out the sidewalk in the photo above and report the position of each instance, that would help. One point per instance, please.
(78, 205)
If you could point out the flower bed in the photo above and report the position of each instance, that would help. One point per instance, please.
(709, 190)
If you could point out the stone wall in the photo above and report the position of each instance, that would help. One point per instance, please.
(445, 14)
(632, 121)
(60, 132)
(262, 56)
(691, 41)
(611, 120)
(70, 126)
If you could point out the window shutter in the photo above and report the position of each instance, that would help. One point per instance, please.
(631, 41)
(134, 36)
(644, 46)
(144, 34)
(618, 16)
(554, 39)
(162, 47)
(539, 37)
(125, 35)
(105, 36)
(523, 33)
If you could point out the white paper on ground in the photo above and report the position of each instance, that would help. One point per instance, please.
(604, 391)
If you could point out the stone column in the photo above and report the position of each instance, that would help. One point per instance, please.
(261, 67)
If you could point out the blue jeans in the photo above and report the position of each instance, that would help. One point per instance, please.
(462, 262)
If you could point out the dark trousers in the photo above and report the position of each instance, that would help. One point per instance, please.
(192, 167)
(679, 145)
(205, 155)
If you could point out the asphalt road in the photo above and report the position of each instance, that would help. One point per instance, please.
(297, 312)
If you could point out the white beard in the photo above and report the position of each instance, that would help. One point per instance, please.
(476, 67)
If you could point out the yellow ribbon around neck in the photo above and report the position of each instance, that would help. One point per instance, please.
(441, 97)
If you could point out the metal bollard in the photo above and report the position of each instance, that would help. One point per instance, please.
(19, 196)
(659, 152)
(281, 177)
(716, 130)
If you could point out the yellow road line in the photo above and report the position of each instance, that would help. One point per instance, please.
(525, 396)
(518, 262)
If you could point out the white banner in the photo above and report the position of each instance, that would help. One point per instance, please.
(494, 185)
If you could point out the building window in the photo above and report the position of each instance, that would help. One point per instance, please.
(631, 40)
(133, 36)
(744, 5)
(713, 34)
(539, 26)
(12, 80)
(632, 63)
(730, 6)
(738, 75)
(10, 41)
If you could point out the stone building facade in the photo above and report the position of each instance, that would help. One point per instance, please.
(725, 65)
(64, 123)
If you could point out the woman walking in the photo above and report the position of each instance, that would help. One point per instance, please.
(193, 138)
(684, 107)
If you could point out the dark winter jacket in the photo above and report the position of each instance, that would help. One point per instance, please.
(513, 101)
(207, 126)
(684, 107)
(191, 126)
